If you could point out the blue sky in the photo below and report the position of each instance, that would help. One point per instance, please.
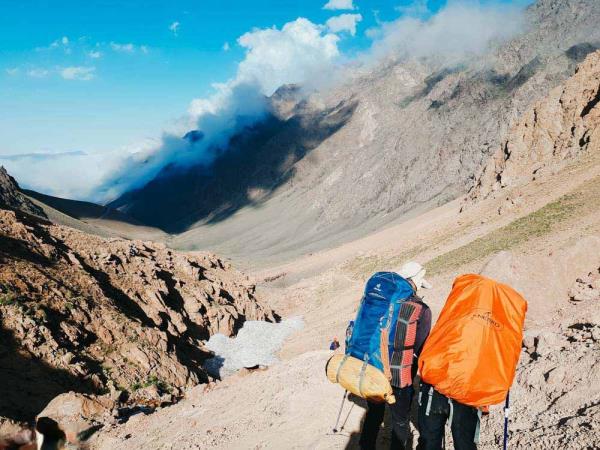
(107, 76)
(132, 95)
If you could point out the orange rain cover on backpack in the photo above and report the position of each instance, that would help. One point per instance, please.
(472, 352)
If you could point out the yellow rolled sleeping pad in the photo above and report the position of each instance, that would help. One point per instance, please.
(359, 378)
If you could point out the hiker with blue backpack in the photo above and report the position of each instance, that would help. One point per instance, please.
(408, 325)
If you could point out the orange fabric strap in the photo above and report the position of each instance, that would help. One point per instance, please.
(385, 353)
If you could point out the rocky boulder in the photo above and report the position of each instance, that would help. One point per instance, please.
(586, 288)
(74, 417)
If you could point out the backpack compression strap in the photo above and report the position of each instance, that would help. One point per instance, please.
(404, 344)
(385, 353)
(384, 345)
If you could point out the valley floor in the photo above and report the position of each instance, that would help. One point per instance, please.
(540, 239)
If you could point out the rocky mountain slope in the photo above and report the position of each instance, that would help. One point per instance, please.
(95, 315)
(11, 196)
(349, 160)
(555, 129)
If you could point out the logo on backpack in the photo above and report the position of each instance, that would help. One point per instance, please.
(485, 316)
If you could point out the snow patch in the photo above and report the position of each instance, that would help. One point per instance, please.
(255, 345)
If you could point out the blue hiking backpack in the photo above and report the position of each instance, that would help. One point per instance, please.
(383, 332)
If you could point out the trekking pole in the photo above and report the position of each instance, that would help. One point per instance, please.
(506, 412)
(335, 430)
(347, 416)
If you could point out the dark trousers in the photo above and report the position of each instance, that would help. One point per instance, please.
(465, 420)
(400, 414)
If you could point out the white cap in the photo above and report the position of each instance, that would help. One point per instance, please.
(415, 272)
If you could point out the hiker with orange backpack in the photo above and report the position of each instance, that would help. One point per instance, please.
(469, 360)
(408, 334)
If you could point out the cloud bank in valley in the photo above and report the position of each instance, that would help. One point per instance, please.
(72, 174)
(300, 52)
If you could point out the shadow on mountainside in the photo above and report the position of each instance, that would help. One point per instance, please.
(27, 384)
(18, 249)
(81, 210)
(257, 161)
(123, 302)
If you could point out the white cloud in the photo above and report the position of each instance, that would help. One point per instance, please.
(339, 4)
(226, 47)
(174, 27)
(61, 43)
(123, 48)
(65, 174)
(94, 54)
(56, 43)
(68, 73)
(344, 22)
(459, 30)
(129, 48)
(78, 73)
(38, 73)
(417, 8)
(300, 52)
